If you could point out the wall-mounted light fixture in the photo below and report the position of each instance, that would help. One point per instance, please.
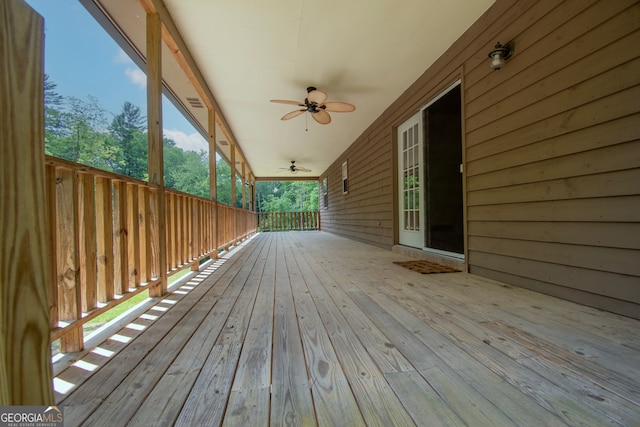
(499, 54)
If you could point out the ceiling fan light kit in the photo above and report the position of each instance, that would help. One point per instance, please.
(315, 104)
(295, 169)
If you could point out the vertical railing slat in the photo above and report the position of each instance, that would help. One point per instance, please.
(87, 241)
(52, 288)
(67, 245)
(133, 230)
(178, 233)
(143, 223)
(104, 221)
(120, 238)
(153, 243)
(67, 248)
(169, 205)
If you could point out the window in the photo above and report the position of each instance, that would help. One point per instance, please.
(325, 194)
(345, 179)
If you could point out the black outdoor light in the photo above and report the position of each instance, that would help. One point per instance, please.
(499, 54)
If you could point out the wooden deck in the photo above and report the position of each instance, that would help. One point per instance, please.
(307, 328)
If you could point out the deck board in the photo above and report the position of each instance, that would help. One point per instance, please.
(308, 328)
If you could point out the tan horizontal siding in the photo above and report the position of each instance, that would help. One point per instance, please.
(579, 296)
(551, 151)
(553, 172)
(618, 183)
(543, 46)
(606, 234)
(559, 172)
(588, 280)
(614, 260)
(612, 209)
(487, 158)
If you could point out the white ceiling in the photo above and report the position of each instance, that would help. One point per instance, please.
(365, 52)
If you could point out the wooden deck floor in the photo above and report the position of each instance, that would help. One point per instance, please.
(308, 328)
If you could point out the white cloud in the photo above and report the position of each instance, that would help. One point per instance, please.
(190, 142)
(122, 58)
(136, 76)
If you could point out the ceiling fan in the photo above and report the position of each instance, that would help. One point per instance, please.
(315, 104)
(294, 169)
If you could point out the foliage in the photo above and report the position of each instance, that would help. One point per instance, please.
(127, 131)
(78, 130)
(287, 196)
(223, 181)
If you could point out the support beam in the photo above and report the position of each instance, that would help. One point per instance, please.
(156, 157)
(232, 149)
(213, 180)
(213, 183)
(254, 186)
(244, 186)
(178, 47)
(25, 354)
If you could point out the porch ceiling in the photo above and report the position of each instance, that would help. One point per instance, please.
(250, 51)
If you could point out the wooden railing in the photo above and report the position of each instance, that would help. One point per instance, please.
(104, 241)
(288, 221)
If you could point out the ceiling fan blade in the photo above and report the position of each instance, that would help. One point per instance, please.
(292, 114)
(339, 107)
(284, 101)
(322, 117)
(298, 168)
(317, 96)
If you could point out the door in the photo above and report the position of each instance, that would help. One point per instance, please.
(410, 143)
(443, 220)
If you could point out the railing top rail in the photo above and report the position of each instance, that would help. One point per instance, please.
(81, 168)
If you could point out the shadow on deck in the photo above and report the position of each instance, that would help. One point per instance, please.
(308, 328)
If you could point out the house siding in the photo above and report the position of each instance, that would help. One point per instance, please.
(551, 152)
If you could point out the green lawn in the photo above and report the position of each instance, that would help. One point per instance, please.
(119, 309)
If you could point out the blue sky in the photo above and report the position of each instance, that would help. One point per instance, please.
(82, 59)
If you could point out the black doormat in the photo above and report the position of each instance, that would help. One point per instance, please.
(425, 267)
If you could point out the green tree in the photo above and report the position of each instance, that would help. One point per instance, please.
(54, 114)
(78, 134)
(75, 129)
(192, 175)
(223, 181)
(173, 160)
(287, 196)
(127, 133)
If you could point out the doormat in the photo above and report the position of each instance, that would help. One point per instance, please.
(425, 267)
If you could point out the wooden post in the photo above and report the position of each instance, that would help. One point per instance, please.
(254, 192)
(25, 354)
(154, 126)
(244, 186)
(234, 233)
(232, 149)
(213, 189)
(213, 181)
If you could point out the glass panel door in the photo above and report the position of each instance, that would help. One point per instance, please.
(410, 182)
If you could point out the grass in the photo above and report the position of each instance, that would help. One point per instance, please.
(118, 310)
(130, 303)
